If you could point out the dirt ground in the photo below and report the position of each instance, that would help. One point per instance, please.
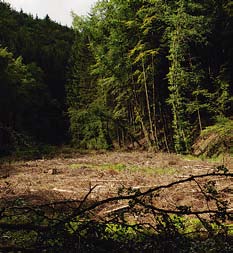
(72, 176)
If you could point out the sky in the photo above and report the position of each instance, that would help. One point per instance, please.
(58, 10)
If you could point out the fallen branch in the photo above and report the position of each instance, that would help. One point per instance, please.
(28, 227)
(117, 209)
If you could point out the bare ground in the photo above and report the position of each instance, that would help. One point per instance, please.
(63, 178)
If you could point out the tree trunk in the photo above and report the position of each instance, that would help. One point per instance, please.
(150, 136)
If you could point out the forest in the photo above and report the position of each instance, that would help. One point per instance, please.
(153, 73)
(116, 134)
(132, 74)
(34, 55)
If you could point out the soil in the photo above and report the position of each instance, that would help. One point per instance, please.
(71, 176)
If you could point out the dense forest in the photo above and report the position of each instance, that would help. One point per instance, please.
(157, 71)
(151, 74)
(34, 55)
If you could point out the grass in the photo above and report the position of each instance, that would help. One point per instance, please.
(221, 158)
(216, 139)
(130, 168)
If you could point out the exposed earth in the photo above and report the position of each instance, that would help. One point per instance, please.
(70, 176)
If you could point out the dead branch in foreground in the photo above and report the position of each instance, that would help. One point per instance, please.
(44, 223)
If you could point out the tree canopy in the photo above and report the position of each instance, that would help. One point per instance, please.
(161, 70)
(145, 73)
(34, 56)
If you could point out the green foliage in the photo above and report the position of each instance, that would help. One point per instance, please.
(151, 63)
(150, 73)
(89, 128)
(215, 140)
(223, 127)
(223, 99)
(23, 99)
(33, 56)
(120, 232)
(185, 26)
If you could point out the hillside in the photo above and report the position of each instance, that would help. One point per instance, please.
(34, 56)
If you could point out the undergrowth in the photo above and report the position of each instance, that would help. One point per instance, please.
(215, 140)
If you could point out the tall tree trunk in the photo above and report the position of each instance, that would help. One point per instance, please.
(164, 129)
(151, 135)
(154, 105)
(199, 119)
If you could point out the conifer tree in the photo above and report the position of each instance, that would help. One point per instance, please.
(186, 26)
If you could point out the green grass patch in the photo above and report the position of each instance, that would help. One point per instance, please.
(153, 170)
(215, 140)
(147, 170)
(130, 168)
